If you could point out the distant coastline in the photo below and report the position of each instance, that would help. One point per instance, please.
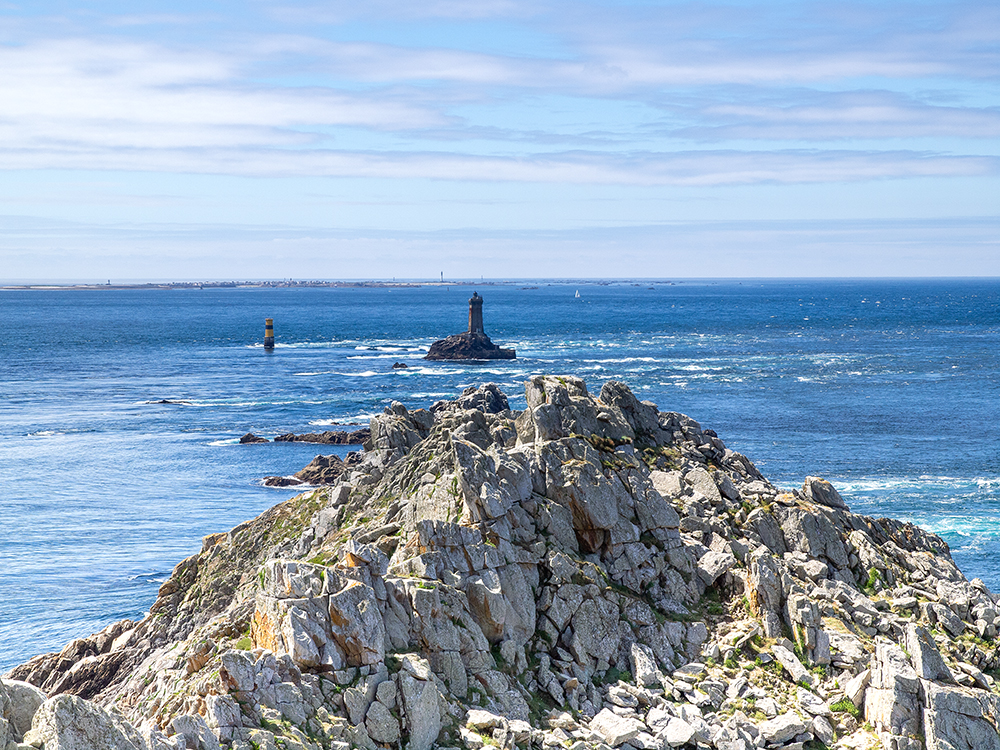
(311, 284)
(242, 285)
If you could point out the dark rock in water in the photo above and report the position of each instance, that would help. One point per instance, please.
(468, 346)
(321, 470)
(250, 438)
(400, 366)
(330, 437)
(281, 482)
(474, 343)
(487, 398)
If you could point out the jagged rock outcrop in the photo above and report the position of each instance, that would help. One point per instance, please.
(329, 437)
(589, 572)
(468, 346)
(322, 470)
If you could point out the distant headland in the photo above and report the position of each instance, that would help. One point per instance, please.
(320, 284)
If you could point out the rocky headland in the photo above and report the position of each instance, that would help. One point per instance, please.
(587, 573)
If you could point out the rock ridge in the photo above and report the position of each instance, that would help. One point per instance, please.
(589, 572)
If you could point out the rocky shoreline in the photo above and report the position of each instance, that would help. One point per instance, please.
(587, 573)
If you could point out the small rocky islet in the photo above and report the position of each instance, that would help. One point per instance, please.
(585, 573)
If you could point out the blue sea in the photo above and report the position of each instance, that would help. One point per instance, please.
(890, 389)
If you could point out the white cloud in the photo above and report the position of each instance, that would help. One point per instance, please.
(341, 11)
(818, 116)
(286, 101)
(76, 93)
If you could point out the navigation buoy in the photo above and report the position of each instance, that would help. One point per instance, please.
(268, 333)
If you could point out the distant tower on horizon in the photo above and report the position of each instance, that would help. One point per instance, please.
(476, 314)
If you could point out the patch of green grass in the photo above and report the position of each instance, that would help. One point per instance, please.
(846, 706)
(874, 578)
(610, 677)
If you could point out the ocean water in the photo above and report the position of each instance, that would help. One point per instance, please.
(890, 389)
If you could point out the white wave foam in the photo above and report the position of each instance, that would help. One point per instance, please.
(923, 482)
(347, 421)
(303, 345)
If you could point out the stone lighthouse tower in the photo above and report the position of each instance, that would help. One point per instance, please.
(474, 343)
(476, 314)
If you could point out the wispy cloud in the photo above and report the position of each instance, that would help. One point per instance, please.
(71, 94)
(823, 116)
(688, 168)
(647, 95)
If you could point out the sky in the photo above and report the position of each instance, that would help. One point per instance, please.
(498, 138)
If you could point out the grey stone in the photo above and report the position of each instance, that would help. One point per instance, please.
(822, 492)
(195, 731)
(678, 732)
(948, 619)
(237, 670)
(386, 693)
(855, 688)
(765, 592)
(356, 624)
(667, 483)
(823, 730)
(382, 726)
(67, 722)
(644, 669)
(713, 564)
(792, 665)
(780, 729)
(892, 697)
(812, 703)
(813, 533)
(616, 730)
(423, 712)
(480, 720)
(765, 526)
(926, 658)
(24, 701)
(595, 631)
(954, 718)
(703, 484)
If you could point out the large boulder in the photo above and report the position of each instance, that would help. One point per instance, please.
(924, 654)
(22, 701)
(960, 718)
(68, 722)
(822, 492)
(892, 700)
